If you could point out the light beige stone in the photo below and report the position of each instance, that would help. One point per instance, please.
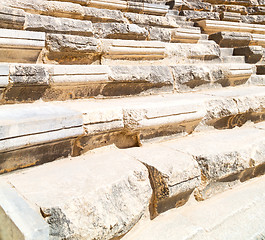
(109, 194)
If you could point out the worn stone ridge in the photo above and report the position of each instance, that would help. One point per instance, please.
(225, 157)
(24, 126)
(96, 196)
(125, 122)
(29, 44)
(228, 215)
(18, 219)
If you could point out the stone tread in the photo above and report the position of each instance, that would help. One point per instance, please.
(235, 214)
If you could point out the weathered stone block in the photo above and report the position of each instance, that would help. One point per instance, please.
(186, 35)
(253, 19)
(173, 176)
(183, 52)
(159, 21)
(230, 16)
(252, 53)
(120, 31)
(199, 15)
(160, 34)
(58, 25)
(29, 45)
(71, 49)
(4, 75)
(100, 208)
(192, 76)
(11, 17)
(27, 125)
(231, 39)
(133, 50)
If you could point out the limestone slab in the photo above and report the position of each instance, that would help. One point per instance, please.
(199, 15)
(109, 194)
(120, 31)
(160, 34)
(133, 50)
(65, 48)
(230, 16)
(150, 20)
(231, 39)
(25, 125)
(28, 43)
(234, 214)
(186, 35)
(212, 26)
(11, 18)
(186, 52)
(42, 23)
(172, 174)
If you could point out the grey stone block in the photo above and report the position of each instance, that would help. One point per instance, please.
(231, 39)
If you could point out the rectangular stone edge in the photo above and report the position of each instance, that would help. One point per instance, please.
(28, 222)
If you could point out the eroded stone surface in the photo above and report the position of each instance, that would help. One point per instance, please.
(96, 196)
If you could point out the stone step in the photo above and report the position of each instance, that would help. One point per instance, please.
(226, 52)
(157, 177)
(74, 127)
(30, 82)
(29, 44)
(233, 59)
(75, 49)
(212, 26)
(226, 216)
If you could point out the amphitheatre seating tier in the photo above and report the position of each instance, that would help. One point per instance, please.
(144, 104)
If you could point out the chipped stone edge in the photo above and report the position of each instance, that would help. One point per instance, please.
(24, 218)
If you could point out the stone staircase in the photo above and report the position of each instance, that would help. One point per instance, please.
(142, 104)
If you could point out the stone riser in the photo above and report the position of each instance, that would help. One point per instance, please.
(175, 169)
(29, 82)
(124, 122)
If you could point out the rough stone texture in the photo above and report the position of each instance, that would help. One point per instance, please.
(120, 31)
(160, 34)
(231, 39)
(252, 54)
(196, 5)
(183, 52)
(164, 116)
(192, 76)
(234, 2)
(173, 176)
(212, 26)
(71, 49)
(230, 16)
(151, 20)
(255, 19)
(18, 219)
(28, 74)
(58, 25)
(229, 8)
(234, 214)
(80, 206)
(199, 15)
(11, 18)
(66, 9)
